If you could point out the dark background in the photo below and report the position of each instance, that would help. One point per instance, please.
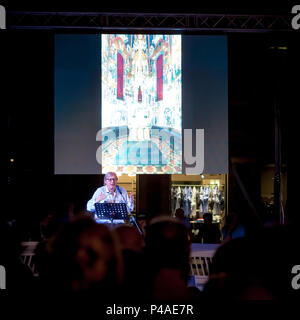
(259, 75)
(167, 6)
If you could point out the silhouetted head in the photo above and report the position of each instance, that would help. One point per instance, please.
(179, 213)
(167, 244)
(85, 254)
(129, 238)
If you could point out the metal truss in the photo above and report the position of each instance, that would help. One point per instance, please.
(224, 23)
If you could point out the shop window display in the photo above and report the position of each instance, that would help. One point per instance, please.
(200, 197)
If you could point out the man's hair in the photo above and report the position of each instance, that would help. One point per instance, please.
(108, 174)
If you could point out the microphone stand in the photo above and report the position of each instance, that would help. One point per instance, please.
(132, 220)
(131, 217)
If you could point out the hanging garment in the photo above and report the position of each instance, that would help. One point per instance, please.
(173, 199)
(198, 202)
(186, 202)
(194, 201)
(178, 198)
(206, 194)
(222, 200)
(216, 201)
(190, 193)
(201, 198)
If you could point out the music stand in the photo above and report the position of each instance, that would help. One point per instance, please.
(111, 211)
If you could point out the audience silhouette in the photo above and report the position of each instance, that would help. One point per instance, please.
(132, 245)
(83, 258)
(255, 267)
(167, 250)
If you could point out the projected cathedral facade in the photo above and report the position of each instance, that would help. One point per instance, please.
(141, 103)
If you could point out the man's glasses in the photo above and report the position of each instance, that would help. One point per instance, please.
(112, 179)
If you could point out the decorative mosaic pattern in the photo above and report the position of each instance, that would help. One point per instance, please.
(141, 91)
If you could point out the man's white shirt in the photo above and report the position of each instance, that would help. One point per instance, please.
(118, 197)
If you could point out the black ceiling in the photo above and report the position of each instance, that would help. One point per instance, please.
(155, 6)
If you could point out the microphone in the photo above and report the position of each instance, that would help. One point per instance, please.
(118, 188)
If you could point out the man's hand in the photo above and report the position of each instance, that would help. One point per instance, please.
(101, 197)
(131, 197)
